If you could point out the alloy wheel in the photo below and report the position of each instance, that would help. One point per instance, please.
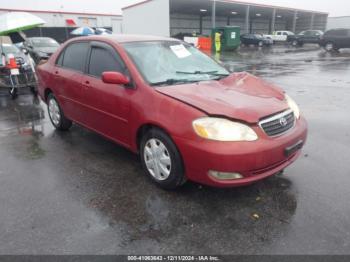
(329, 46)
(54, 112)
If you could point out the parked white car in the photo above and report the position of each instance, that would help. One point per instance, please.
(279, 36)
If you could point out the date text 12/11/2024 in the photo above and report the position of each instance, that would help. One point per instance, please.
(173, 258)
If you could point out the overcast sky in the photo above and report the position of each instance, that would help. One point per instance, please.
(334, 7)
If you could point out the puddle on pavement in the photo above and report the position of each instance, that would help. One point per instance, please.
(22, 122)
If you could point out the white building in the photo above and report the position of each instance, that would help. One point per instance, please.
(59, 24)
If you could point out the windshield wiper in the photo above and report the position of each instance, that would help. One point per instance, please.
(197, 72)
(171, 81)
(214, 73)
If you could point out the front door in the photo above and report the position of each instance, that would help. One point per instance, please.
(107, 105)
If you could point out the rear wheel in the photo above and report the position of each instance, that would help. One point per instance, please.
(329, 47)
(294, 43)
(161, 160)
(59, 121)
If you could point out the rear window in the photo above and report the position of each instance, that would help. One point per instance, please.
(338, 32)
(75, 56)
(10, 49)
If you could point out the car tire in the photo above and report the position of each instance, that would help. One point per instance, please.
(57, 117)
(13, 92)
(329, 46)
(161, 159)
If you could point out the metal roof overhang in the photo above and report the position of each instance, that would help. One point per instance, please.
(226, 7)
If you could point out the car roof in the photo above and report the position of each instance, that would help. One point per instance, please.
(335, 29)
(126, 38)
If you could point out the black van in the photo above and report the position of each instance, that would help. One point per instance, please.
(335, 39)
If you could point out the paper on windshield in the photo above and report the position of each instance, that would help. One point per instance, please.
(180, 51)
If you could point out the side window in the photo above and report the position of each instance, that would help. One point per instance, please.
(75, 56)
(59, 61)
(330, 33)
(102, 60)
(285, 33)
(279, 33)
(337, 32)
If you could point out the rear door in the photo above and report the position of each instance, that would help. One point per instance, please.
(284, 36)
(249, 39)
(278, 36)
(108, 105)
(68, 74)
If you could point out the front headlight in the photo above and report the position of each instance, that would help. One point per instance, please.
(292, 105)
(221, 129)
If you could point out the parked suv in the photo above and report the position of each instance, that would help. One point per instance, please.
(185, 114)
(336, 39)
(305, 37)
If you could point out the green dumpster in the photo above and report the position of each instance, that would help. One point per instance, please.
(230, 39)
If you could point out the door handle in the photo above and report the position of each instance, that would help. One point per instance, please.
(56, 72)
(87, 82)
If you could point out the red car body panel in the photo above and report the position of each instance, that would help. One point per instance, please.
(118, 113)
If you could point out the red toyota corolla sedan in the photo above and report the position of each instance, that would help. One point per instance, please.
(185, 114)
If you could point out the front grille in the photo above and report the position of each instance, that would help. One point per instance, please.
(278, 124)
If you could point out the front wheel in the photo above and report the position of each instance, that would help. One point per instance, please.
(58, 119)
(161, 159)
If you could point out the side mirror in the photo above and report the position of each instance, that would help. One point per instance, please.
(115, 78)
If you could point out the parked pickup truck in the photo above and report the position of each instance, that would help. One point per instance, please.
(279, 36)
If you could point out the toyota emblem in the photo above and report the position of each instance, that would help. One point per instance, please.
(283, 121)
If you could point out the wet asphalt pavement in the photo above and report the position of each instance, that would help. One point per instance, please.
(78, 193)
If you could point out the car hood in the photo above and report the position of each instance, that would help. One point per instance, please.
(240, 96)
(47, 50)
